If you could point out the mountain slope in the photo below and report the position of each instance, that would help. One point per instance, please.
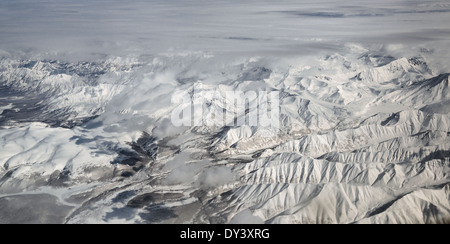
(362, 139)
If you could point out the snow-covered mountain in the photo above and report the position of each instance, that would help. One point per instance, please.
(363, 138)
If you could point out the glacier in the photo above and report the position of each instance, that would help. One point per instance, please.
(86, 134)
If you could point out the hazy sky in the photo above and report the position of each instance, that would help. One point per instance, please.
(271, 26)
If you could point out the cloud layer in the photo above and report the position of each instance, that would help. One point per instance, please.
(268, 27)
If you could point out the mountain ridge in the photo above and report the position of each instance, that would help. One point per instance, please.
(358, 142)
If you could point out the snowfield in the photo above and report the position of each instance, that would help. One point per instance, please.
(86, 130)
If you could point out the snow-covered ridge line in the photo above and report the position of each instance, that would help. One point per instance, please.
(362, 136)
